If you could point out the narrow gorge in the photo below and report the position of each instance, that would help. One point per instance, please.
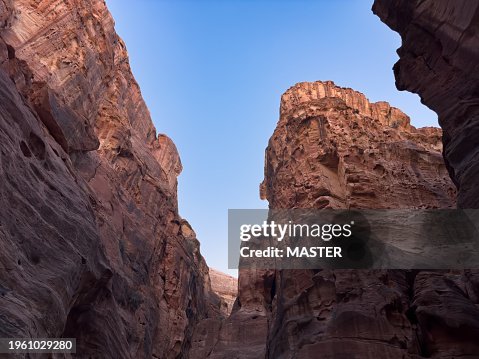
(92, 245)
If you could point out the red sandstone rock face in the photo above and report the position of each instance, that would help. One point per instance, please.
(439, 60)
(332, 148)
(92, 245)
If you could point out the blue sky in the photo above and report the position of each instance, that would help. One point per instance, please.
(212, 73)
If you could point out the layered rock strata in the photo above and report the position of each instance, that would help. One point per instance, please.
(332, 148)
(439, 60)
(92, 246)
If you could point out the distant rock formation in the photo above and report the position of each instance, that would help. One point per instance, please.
(91, 243)
(439, 60)
(226, 287)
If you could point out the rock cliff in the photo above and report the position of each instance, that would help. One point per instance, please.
(333, 148)
(439, 60)
(92, 245)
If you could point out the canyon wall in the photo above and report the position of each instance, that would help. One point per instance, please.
(92, 246)
(332, 148)
(439, 60)
(226, 287)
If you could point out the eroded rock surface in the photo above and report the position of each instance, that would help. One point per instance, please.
(92, 245)
(439, 60)
(333, 148)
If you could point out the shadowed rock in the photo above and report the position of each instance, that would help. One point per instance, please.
(439, 60)
(92, 245)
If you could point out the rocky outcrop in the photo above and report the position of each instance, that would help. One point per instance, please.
(92, 245)
(332, 148)
(439, 60)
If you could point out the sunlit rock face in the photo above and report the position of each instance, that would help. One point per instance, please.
(92, 245)
(332, 148)
(439, 60)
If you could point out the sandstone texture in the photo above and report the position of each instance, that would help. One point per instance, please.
(226, 287)
(91, 243)
(439, 60)
(332, 148)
